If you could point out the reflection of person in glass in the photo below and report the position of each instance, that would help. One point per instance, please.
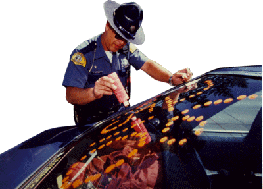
(128, 166)
(88, 86)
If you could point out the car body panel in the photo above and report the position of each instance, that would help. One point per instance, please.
(20, 162)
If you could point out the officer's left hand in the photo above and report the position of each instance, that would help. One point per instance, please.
(182, 76)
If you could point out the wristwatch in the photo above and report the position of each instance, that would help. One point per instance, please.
(170, 81)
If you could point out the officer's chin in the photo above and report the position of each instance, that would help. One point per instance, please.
(116, 48)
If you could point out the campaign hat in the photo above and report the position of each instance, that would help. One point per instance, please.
(126, 20)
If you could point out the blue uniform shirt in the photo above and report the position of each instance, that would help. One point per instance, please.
(89, 62)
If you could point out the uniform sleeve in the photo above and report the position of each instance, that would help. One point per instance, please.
(137, 58)
(76, 74)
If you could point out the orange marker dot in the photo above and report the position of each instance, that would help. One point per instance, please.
(69, 172)
(124, 130)
(202, 123)
(199, 131)
(169, 123)
(144, 133)
(185, 117)
(208, 82)
(93, 144)
(165, 130)
(171, 141)
(84, 157)
(191, 96)
(167, 98)
(241, 97)
(115, 134)
(191, 119)
(109, 136)
(162, 140)
(110, 168)
(228, 100)
(102, 146)
(141, 143)
(205, 89)
(119, 138)
(76, 183)
(92, 151)
(102, 140)
(139, 134)
(65, 179)
(196, 106)
(143, 138)
(92, 178)
(175, 118)
(66, 185)
(185, 111)
(199, 93)
(125, 137)
(169, 102)
(170, 109)
(149, 118)
(253, 96)
(182, 99)
(109, 143)
(182, 142)
(120, 162)
(97, 176)
(75, 164)
(208, 103)
(219, 101)
(200, 118)
(134, 133)
(133, 125)
(105, 130)
(132, 153)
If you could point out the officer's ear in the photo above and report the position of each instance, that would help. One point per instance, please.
(107, 27)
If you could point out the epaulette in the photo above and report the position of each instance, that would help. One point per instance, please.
(89, 47)
(132, 48)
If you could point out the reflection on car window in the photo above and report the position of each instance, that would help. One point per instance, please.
(138, 148)
(231, 110)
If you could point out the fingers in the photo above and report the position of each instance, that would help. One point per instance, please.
(104, 86)
(182, 76)
(186, 74)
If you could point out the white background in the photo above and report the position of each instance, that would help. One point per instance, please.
(37, 38)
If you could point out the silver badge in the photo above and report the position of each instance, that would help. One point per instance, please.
(132, 29)
(124, 63)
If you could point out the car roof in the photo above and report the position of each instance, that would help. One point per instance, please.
(255, 71)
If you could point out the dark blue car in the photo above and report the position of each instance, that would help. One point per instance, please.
(206, 133)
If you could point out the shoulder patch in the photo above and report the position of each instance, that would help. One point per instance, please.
(132, 48)
(79, 59)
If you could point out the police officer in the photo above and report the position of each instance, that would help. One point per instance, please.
(87, 86)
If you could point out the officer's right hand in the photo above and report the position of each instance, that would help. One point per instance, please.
(103, 86)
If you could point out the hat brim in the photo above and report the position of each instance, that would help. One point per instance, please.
(109, 8)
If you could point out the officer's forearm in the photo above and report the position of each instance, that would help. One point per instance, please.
(156, 71)
(79, 96)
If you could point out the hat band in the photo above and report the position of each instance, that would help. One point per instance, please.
(126, 33)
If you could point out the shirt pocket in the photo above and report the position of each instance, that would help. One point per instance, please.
(93, 76)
